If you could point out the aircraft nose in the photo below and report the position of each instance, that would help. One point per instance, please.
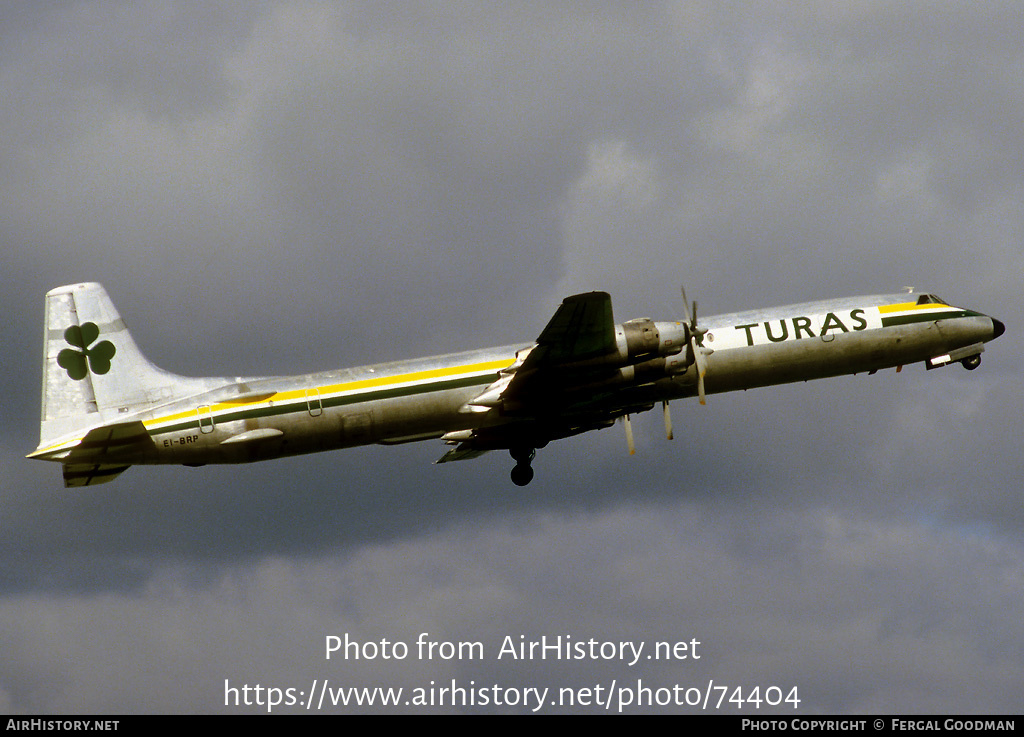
(997, 328)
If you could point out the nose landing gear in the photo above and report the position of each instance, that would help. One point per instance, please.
(522, 473)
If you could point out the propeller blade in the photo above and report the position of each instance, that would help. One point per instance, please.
(668, 421)
(698, 353)
(629, 434)
(702, 367)
(690, 317)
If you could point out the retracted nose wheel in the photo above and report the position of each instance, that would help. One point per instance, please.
(971, 362)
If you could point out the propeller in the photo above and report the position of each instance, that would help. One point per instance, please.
(699, 353)
(698, 357)
(629, 434)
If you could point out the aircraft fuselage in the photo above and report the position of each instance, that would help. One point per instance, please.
(421, 399)
(461, 397)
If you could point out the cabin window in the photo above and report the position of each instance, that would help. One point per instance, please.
(929, 299)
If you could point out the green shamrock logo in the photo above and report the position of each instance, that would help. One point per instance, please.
(78, 362)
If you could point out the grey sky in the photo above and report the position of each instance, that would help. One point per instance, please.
(272, 188)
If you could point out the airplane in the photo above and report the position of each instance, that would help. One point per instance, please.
(105, 407)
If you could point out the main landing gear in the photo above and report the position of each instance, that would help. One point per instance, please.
(522, 473)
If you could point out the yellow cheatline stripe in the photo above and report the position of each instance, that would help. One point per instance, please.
(330, 389)
(336, 389)
(43, 451)
(415, 377)
(905, 306)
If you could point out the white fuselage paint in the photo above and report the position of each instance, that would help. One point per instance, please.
(255, 419)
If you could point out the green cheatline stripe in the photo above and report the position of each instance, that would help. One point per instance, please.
(925, 317)
(302, 405)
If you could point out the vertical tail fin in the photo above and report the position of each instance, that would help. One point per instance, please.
(93, 373)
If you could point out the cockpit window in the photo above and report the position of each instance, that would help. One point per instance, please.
(929, 299)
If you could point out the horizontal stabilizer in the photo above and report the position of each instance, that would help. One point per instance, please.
(111, 439)
(98, 456)
(90, 474)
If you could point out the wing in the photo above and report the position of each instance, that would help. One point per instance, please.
(582, 328)
(581, 332)
(553, 389)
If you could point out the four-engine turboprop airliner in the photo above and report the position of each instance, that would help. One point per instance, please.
(105, 407)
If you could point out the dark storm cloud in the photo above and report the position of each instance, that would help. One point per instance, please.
(858, 615)
(288, 186)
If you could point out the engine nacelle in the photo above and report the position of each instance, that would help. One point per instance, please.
(641, 372)
(643, 339)
(646, 351)
(679, 363)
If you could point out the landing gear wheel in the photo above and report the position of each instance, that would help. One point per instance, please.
(971, 362)
(522, 474)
